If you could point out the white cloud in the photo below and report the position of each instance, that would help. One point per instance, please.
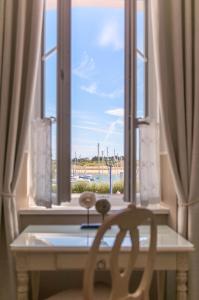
(94, 90)
(91, 89)
(112, 129)
(89, 128)
(111, 36)
(85, 68)
(118, 112)
(101, 130)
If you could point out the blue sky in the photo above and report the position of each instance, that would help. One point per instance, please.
(97, 78)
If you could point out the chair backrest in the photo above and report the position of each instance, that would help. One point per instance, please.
(127, 221)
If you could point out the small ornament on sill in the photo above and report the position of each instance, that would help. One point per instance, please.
(103, 206)
(87, 200)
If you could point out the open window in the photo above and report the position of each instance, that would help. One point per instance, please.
(95, 98)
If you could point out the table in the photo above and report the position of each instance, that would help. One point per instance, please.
(59, 247)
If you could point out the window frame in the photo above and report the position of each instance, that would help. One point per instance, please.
(64, 92)
(64, 107)
(130, 102)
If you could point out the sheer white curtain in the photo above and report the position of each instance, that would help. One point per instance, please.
(149, 163)
(176, 44)
(20, 42)
(40, 162)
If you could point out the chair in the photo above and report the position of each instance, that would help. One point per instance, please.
(127, 221)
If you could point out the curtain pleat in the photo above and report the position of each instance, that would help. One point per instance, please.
(20, 39)
(176, 44)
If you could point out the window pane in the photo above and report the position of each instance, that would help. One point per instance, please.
(50, 111)
(140, 87)
(50, 86)
(54, 162)
(50, 25)
(141, 83)
(97, 98)
(137, 163)
(140, 18)
(141, 59)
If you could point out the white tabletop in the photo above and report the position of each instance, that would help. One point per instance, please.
(72, 238)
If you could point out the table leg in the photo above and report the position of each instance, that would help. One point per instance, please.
(35, 278)
(22, 285)
(182, 289)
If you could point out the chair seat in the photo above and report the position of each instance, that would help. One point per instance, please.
(101, 292)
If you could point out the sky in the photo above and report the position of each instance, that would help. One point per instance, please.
(97, 73)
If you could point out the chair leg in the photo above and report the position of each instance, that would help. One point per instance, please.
(161, 276)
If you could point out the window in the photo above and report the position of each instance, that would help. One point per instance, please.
(49, 80)
(95, 94)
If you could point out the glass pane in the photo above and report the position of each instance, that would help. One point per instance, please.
(140, 18)
(141, 59)
(50, 25)
(141, 84)
(54, 162)
(137, 163)
(98, 98)
(50, 111)
(50, 86)
(140, 87)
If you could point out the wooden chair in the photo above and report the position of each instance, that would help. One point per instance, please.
(127, 221)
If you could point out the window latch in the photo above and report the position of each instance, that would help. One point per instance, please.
(142, 121)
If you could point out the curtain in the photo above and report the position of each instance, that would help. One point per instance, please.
(40, 162)
(20, 37)
(149, 164)
(176, 43)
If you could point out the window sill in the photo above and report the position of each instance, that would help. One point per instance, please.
(70, 209)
